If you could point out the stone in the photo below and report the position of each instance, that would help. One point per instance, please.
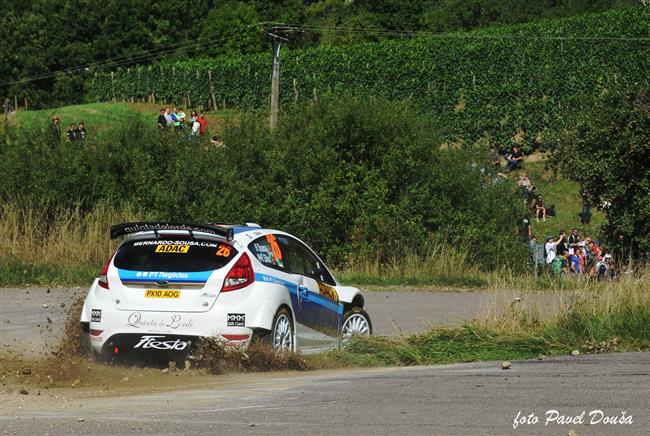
(506, 365)
(575, 353)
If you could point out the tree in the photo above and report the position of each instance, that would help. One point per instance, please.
(608, 152)
(231, 29)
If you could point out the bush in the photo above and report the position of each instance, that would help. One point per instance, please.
(367, 178)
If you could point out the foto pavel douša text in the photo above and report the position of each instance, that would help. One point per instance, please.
(591, 417)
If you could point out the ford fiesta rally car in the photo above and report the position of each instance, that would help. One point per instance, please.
(169, 284)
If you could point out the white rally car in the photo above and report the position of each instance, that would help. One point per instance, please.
(169, 284)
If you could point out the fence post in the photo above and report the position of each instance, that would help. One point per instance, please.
(214, 100)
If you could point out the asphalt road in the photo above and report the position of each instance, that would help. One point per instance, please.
(31, 318)
(467, 399)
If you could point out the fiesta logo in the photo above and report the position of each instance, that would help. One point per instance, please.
(172, 248)
(153, 342)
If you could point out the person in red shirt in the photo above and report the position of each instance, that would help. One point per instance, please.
(203, 123)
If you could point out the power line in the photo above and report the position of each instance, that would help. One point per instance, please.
(123, 60)
(423, 33)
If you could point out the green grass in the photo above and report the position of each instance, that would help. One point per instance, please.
(612, 316)
(16, 272)
(564, 194)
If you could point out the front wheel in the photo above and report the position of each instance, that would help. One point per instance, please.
(356, 322)
(283, 334)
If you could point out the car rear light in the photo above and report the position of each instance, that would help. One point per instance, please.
(240, 275)
(103, 279)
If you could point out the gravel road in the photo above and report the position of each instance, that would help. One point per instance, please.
(467, 399)
(30, 318)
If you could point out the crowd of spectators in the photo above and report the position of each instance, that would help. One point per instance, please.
(572, 255)
(75, 132)
(175, 119)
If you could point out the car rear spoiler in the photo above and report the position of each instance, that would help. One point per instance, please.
(155, 226)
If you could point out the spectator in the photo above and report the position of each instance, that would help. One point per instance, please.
(195, 128)
(550, 248)
(162, 121)
(168, 118)
(515, 159)
(580, 252)
(524, 186)
(495, 160)
(175, 120)
(181, 120)
(193, 118)
(71, 135)
(573, 240)
(204, 124)
(559, 265)
(540, 210)
(55, 129)
(523, 229)
(563, 244)
(536, 251)
(81, 131)
(574, 263)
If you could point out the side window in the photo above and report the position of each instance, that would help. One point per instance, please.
(268, 252)
(301, 261)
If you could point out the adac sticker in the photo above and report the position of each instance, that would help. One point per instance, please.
(169, 248)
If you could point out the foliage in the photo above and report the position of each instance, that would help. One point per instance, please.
(43, 36)
(608, 152)
(487, 83)
(349, 176)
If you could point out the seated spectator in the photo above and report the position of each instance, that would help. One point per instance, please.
(81, 131)
(515, 159)
(540, 209)
(495, 160)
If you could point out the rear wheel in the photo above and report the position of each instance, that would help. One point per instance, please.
(356, 322)
(282, 334)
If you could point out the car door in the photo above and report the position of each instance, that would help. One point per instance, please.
(317, 301)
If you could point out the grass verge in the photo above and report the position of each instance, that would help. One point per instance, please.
(612, 317)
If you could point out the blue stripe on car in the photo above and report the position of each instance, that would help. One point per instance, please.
(293, 289)
(171, 277)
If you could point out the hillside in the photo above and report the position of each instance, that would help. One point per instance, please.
(558, 191)
(530, 78)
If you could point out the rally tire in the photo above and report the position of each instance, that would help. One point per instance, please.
(283, 332)
(356, 322)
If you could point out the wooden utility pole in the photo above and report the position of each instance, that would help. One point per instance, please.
(275, 79)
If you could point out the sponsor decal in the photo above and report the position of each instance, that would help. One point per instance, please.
(167, 248)
(189, 243)
(327, 291)
(174, 322)
(162, 293)
(155, 342)
(236, 320)
(96, 315)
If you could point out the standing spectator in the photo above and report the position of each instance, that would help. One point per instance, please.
(162, 121)
(204, 124)
(574, 263)
(514, 159)
(193, 118)
(523, 229)
(540, 209)
(563, 244)
(175, 120)
(81, 131)
(55, 129)
(550, 249)
(168, 118)
(195, 128)
(71, 134)
(573, 240)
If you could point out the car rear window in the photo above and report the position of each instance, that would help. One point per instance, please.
(174, 255)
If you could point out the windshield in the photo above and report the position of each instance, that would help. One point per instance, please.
(174, 255)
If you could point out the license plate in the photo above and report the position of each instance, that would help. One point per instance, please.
(162, 293)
